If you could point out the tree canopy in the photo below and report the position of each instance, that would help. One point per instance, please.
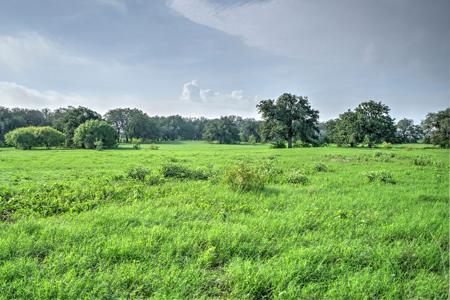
(289, 117)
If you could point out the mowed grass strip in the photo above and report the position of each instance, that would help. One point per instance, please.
(76, 226)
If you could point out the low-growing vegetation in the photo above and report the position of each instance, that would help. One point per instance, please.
(265, 224)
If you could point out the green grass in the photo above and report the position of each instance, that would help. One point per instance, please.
(73, 225)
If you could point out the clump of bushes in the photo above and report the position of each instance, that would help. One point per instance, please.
(422, 161)
(27, 137)
(244, 177)
(138, 173)
(297, 177)
(153, 147)
(278, 144)
(381, 176)
(173, 170)
(91, 132)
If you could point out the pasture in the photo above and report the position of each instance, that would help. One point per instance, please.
(359, 223)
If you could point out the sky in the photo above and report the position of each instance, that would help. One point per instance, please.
(212, 58)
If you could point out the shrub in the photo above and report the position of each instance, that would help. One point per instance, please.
(153, 147)
(244, 177)
(302, 144)
(320, 167)
(28, 137)
(49, 137)
(278, 144)
(136, 143)
(422, 161)
(173, 170)
(296, 177)
(138, 173)
(99, 145)
(386, 145)
(270, 171)
(92, 130)
(378, 154)
(382, 176)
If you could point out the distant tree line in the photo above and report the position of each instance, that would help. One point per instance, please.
(288, 119)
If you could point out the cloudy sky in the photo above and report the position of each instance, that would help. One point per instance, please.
(212, 58)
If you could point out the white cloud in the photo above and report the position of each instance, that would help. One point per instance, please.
(191, 91)
(15, 95)
(28, 49)
(237, 95)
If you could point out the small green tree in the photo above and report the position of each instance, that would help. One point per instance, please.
(88, 134)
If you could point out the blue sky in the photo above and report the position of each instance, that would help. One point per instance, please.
(212, 58)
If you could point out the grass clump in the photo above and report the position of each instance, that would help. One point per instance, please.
(320, 167)
(380, 176)
(422, 161)
(153, 147)
(297, 177)
(138, 173)
(174, 170)
(244, 177)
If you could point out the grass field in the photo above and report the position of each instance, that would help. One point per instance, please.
(74, 225)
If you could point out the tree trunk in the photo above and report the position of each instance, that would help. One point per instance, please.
(289, 139)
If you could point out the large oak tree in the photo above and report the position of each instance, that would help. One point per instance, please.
(289, 117)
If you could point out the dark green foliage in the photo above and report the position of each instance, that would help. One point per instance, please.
(95, 131)
(436, 128)
(224, 130)
(288, 117)
(28, 137)
(370, 123)
(278, 144)
(407, 132)
(174, 170)
(245, 177)
(13, 118)
(69, 119)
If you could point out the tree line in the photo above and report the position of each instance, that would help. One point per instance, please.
(288, 119)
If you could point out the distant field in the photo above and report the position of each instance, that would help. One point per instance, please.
(73, 225)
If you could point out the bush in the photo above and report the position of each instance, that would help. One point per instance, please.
(386, 145)
(173, 170)
(422, 161)
(302, 144)
(136, 143)
(245, 178)
(49, 137)
(278, 144)
(138, 173)
(28, 137)
(153, 147)
(91, 131)
(320, 167)
(99, 145)
(382, 176)
(296, 177)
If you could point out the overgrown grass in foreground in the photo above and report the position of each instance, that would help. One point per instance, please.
(75, 224)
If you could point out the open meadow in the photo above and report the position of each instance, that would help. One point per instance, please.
(329, 223)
